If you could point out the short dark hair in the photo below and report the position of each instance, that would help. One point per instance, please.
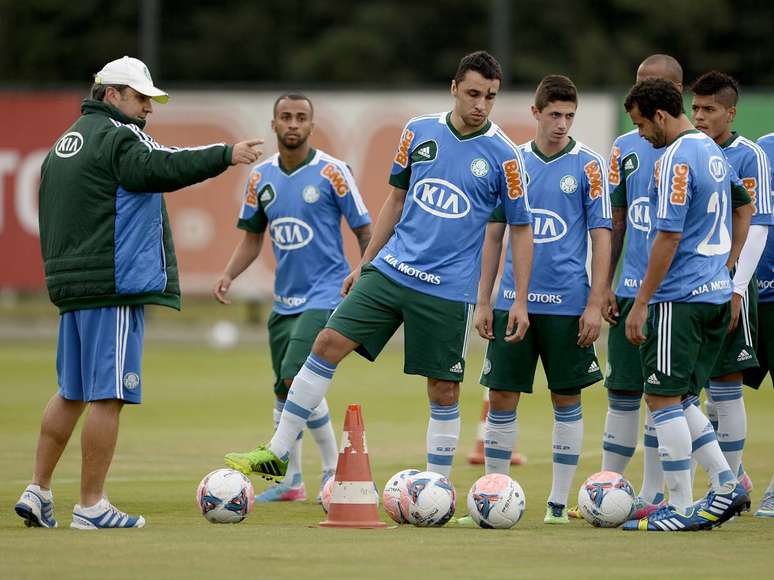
(671, 68)
(724, 87)
(651, 95)
(98, 91)
(481, 62)
(555, 88)
(292, 96)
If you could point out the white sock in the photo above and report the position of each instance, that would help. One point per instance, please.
(93, 511)
(705, 446)
(674, 449)
(321, 428)
(307, 391)
(622, 425)
(46, 494)
(293, 476)
(732, 420)
(653, 474)
(443, 432)
(499, 439)
(567, 441)
(709, 405)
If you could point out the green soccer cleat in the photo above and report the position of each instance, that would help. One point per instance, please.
(574, 513)
(261, 461)
(463, 522)
(556, 514)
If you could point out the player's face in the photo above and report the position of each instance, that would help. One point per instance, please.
(555, 120)
(130, 102)
(651, 130)
(474, 97)
(293, 122)
(711, 117)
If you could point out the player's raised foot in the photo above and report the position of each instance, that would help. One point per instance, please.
(326, 475)
(282, 492)
(719, 507)
(642, 508)
(556, 513)
(766, 509)
(574, 513)
(668, 519)
(36, 510)
(103, 516)
(260, 460)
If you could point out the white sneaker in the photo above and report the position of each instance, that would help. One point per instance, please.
(37, 511)
(106, 515)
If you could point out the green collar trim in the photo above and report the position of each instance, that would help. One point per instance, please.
(556, 155)
(730, 140)
(461, 137)
(307, 161)
(89, 107)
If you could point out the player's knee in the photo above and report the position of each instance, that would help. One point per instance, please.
(503, 400)
(332, 346)
(443, 392)
(564, 400)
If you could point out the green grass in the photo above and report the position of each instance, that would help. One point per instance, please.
(201, 403)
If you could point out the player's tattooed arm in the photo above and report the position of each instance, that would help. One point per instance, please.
(617, 236)
(363, 235)
(490, 263)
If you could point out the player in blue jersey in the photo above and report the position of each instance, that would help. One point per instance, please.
(684, 297)
(422, 266)
(765, 348)
(569, 201)
(714, 108)
(299, 195)
(632, 161)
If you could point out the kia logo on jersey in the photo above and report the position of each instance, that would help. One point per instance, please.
(548, 226)
(639, 214)
(441, 198)
(289, 233)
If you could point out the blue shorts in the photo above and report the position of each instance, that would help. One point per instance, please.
(99, 354)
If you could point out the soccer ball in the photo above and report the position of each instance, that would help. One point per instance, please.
(431, 499)
(496, 501)
(225, 496)
(327, 493)
(395, 496)
(606, 499)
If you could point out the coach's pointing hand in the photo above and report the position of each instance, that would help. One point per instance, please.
(246, 152)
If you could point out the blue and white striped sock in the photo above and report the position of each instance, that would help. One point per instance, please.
(711, 411)
(653, 475)
(443, 432)
(622, 425)
(499, 439)
(705, 446)
(307, 391)
(732, 420)
(567, 441)
(293, 476)
(674, 438)
(319, 425)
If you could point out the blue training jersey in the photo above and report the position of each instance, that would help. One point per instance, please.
(753, 168)
(568, 197)
(632, 161)
(302, 211)
(765, 271)
(453, 184)
(692, 195)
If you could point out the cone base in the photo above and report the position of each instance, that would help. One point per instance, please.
(361, 525)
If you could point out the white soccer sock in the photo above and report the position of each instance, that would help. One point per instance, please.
(499, 439)
(46, 494)
(709, 405)
(653, 474)
(622, 424)
(567, 442)
(293, 476)
(307, 391)
(732, 420)
(705, 446)
(443, 432)
(319, 424)
(674, 449)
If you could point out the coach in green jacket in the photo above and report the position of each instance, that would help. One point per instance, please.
(107, 251)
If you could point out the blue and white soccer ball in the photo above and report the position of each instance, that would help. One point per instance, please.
(395, 496)
(225, 496)
(606, 499)
(496, 501)
(431, 499)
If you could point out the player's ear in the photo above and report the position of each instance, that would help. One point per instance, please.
(454, 88)
(273, 126)
(535, 111)
(732, 113)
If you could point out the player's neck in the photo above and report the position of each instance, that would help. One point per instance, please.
(549, 147)
(292, 159)
(677, 127)
(724, 137)
(462, 127)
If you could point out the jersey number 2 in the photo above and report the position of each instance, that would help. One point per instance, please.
(723, 244)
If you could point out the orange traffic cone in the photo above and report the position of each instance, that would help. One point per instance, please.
(477, 457)
(353, 498)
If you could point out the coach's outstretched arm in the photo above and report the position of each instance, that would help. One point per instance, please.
(521, 254)
(388, 218)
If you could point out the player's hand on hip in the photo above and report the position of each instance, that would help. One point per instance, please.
(221, 289)
(246, 152)
(350, 280)
(589, 325)
(483, 321)
(518, 323)
(610, 310)
(736, 310)
(635, 322)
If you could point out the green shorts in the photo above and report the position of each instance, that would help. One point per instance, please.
(291, 337)
(511, 366)
(683, 341)
(624, 370)
(436, 331)
(738, 351)
(765, 348)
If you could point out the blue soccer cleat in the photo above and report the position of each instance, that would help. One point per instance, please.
(109, 517)
(668, 519)
(718, 508)
(37, 511)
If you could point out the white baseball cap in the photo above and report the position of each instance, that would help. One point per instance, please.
(132, 72)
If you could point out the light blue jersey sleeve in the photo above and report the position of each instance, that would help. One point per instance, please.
(596, 195)
(252, 217)
(675, 190)
(755, 175)
(514, 198)
(346, 194)
(400, 173)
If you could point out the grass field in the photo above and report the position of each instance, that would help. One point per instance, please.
(200, 403)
